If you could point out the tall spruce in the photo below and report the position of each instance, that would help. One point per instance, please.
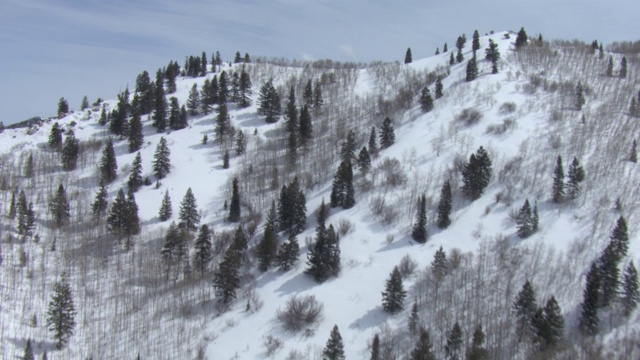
(492, 53)
(108, 163)
(292, 208)
(323, 257)
(55, 136)
(576, 176)
(161, 159)
(364, 160)
(589, 320)
(244, 98)
(100, 204)
(305, 127)
(453, 347)
(267, 248)
(623, 68)
(419, 232)
(609, 70)
(203, 253)
(408, 58)
(438, 91)
(477, 351)
(444, 206)
(160, 111)
(189, 216)
(61, 312)
(579, 97)
(269, 102)
(135, 176)
(439, 265)
(166, 209)
(342, 191)
(373, 142)
(307, 94)
(375, 348)
(558, 190)
(609, 276)
(136, 138)
(524, 221)
(318, 100)
(426, 101)
(59, 207)
(28, 349)
(620, 239)
(222, 129)
(288, 253)
(70, 152)
(477, 174)
(234, 207)
(387, 134)
(334, 350)
(394, 294)
(174, 248)
(193, 101)
(422, 349)
(475, 41)
(524, 307)
(226, 279)
(548, 324)
(630, 292)
(472, 69)
(118, 215)
(291, 112)
(522, 38)
(63, 107)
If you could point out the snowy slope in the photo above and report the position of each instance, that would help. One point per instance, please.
(175, 320)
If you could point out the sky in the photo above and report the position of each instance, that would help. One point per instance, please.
(72, 48)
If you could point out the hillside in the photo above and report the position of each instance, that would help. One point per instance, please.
(129, 302)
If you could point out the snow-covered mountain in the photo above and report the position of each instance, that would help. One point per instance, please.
(525, 116)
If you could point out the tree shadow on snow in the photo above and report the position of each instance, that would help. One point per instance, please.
(405, 241)
(373, 318)
(297, 284)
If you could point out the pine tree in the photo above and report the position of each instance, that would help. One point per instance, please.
(623, 68)
(558, 182)
(475, 42)
(160, 111)
(394, 294)
(524, 307)
(70, 151)
(136, 138)
(580, 100)
(267, 248)
(55, 136)
(189, 216)
(135, 176)
(193, 102)
(630, 292)
(387, 134)
(460, 41)
(203, 250)
(117, 219)
(438, 91)
(375, 348)
(445, 205)
(524, 221)
(408, 58)
(292, 208)
(419, 232)
(108, 164)
(175, 121)
(161, 159)
(59, 207)
(522, 38)
(477, 351)
(244, 99)
(576, 176)
(459, 56)
(288, 252)
(223, 88)
(63, 107)
(174, 248)
(364, 161)
(453, 348)
(226, 279)
(222, 129)
(334, 350)
(132, 223)
(620, 239)
(452, 59)
(476, 174)
(29, 167)
(307, 94)
(373, 144)
(320, 256)
(492, 53)
(318, 100)
(439, 265)
(426, 101)
(422, 350)
(472, 69)
(414, 319)
(269, 102)
(610, 67)
(28, 350)
(550, 330)
(61, 312)
(342, 191)
(100, 204)
(165, 208)
(12, 205)
(589, 320)
(445, 48)
(241, 143)
(234, 208)
(305, 127)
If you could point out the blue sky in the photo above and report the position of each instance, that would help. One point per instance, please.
(71, 48)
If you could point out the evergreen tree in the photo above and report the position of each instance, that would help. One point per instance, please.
(472, 69)
(287, 255)
(267, 248)
(160, 111)
(223, 124)
(334, 350)
(100, 204)
(193, 102)
(145, 89)
(269, 102)
(225, 159)
(292, 208)
(161, 159)
(244, 99)
(12, 205)
(477, 351)
(226, 279)
(623, 68)
(620, 239)
(28, 350)
(387, 134)
(445, 205)
(135, 176)
(609, 276)
(223, 88)
(524, 307)
(189, 216)
(439, 265)
(419, 232)
(117, 219)
(44, 355)
(414, 319)
(580, 100)
(426, 101)
(492, 53)
(63, 107)
(307, 94)
(445, 48)
(589, 320)
(610, 67)
(375, 348)
(241, 143)
(85, 103)
(26, 216)
(324, 254)
(342, 191)
(394, 294)
(305, 127)
(132, 223)
(407, 57)
(453, 348)
(522, 38)
(291, 112)
(475, 42)
(207, 97)
(576, 176)
(318, 100)
(524, 221)
(59, 207)
(136, 138)
(460, 41)
(558, 182)
(459, 56)
(235, 88)
(29, 167)
(203, 250)
(364, 160)
(422, 350)
(548, 324)
(55, 136)
(108, 164)
(234, 208)
(165, 208)
(439, 87)
(476, 174)
(70, 152)
(630, 293)
(174, 248)
(61, 312)
(373, 144)
(452, 59)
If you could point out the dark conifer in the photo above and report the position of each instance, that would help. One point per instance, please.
(203, 250)
(364, 161)
(414, 319)
(234, 208)
(319, 256)
(408, 58)
(63, 107)
(630, 292)
(522, 38)
(387, 134)
(70, 152)
(223, 88)
(452, 59)
(623, 68)
(477, 350)
(223, 124)
(165, 208)
(475, 42)
(459, 56)
(375, 348)
(426, 101)
(244, 98)
(241, 142)
(524, 221)
(12, 205)
(477, 174)
(269, 102)
(306, 127)
(136, 138)
(438, 91)
(610, 67)
(576, 176)
(160, 111)
(589, 320)
(108, 164)
(266, 249)
(445, 48)
(100, 204)
(439, 265)
(59, 207)
(422, 350)
(373, 142)
(28, 350)
(342, 191)
(174, 248)
(189, 216)
(226, 279)
(620, 239)
(394, 294)
(558, 182)
(334, 350)
(61, 312)
(193, 102)
(453, 348)
(445, 205)
(580, 100)
(135, 176)
(492, 53)
(55, 136)
(524, 307)
(288, 253)
(307, 94)
(161, 159)
(419, 232)
(318, 100)
(291, 112)
(472, 69)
